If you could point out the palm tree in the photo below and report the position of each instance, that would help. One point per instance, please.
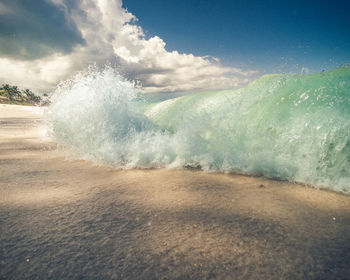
(13, 92)
(5, 88)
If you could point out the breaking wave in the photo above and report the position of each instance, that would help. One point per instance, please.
(290, 127)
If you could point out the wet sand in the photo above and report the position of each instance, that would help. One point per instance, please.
(69, 219)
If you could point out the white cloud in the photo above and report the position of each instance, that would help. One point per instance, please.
(39, 74)
(111, 34)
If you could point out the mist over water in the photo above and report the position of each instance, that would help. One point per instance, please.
(290, 127)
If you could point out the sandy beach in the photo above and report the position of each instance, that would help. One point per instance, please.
(69, 219)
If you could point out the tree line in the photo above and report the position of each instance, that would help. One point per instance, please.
(13, 95)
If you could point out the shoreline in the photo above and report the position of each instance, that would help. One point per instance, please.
(64, 219)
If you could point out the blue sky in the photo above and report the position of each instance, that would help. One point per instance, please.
(268, 35)
(170, 46)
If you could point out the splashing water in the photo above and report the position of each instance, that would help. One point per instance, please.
(291, 127)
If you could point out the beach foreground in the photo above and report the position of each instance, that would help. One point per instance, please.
(69, 219)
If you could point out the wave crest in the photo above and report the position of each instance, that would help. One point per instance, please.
(292, 127)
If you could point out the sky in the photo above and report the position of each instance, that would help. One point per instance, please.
(253, 34)
(170, 46)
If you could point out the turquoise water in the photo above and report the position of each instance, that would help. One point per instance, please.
(290, 127)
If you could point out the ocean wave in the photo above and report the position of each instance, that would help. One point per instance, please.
(290, 127)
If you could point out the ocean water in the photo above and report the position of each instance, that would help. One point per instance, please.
(284, 126)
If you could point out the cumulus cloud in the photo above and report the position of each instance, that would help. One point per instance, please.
(102, 31)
